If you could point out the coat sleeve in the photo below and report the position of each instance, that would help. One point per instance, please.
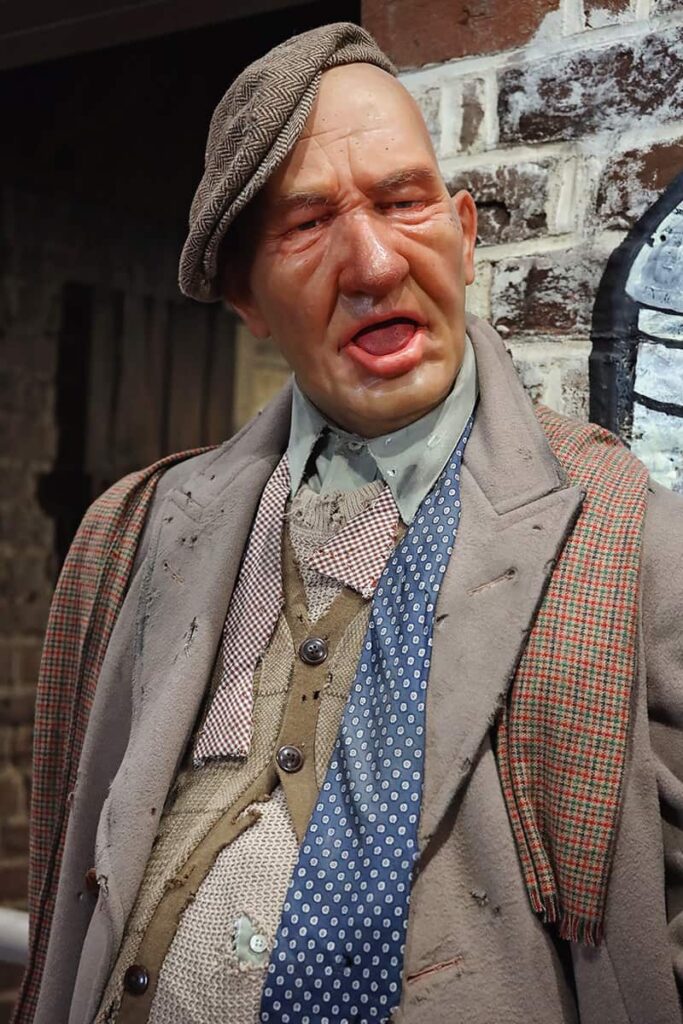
(663, 637)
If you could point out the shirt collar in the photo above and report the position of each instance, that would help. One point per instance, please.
(409, 460)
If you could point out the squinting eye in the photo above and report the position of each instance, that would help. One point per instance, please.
(307, 225)
(399, 204)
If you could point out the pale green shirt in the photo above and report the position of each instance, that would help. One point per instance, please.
(329, 459)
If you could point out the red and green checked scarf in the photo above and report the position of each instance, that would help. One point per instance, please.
(561, 738)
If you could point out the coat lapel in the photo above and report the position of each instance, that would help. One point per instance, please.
(194, 557)
(516, 515)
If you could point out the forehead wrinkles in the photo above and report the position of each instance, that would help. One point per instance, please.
(330, 158)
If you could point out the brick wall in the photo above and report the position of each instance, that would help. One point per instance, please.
(564, 118)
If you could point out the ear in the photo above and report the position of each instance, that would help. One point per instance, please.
(465, 208)
(242, 300)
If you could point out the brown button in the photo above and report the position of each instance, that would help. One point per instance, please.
(136, 980)
(91, 883)
(313, 650)
(290, 759)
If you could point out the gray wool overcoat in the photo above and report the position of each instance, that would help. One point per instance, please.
(476, 952)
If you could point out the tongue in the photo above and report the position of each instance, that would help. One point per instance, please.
(382, 340)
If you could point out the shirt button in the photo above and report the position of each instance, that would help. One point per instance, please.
(258, 944)
(354, 446)
(313, 650)
(290, 759)
(136, 980)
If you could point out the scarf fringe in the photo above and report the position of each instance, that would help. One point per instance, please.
(577, 929)
(568, 924)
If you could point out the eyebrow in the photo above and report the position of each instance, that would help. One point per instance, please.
(300, 200)
(406, 176)
(397, 179)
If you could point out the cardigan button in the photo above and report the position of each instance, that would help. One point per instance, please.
(290, 759)
(313, 650)
(136, 980)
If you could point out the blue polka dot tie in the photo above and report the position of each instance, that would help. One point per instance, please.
(338, 954)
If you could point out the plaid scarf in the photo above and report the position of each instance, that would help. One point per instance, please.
(561, 738)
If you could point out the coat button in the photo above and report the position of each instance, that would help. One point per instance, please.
(136, 980)
(290, 759)
(91, 883)
(313, 650)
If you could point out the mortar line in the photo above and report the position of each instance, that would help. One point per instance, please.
(529, 247)
(513, 155)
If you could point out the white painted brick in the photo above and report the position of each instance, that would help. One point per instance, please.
(479, 292)
(565, 198)
(572, 16)
(552, 364)
(555, 373)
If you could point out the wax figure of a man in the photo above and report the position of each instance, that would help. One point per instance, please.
(309, 710)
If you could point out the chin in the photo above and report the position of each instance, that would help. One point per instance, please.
(390, 408)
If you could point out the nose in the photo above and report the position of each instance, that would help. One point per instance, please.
(369, 262)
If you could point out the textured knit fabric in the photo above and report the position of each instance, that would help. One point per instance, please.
(197, 802)
(341, 941)
(257, 600)
(202, 979)
(84, 609)
(409, 460)
(253, 128)
(563, 732)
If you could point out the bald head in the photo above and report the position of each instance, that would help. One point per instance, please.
(358, 98)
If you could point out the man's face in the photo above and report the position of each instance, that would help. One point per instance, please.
(361, 258)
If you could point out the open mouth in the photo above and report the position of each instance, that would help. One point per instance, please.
(388, 348)
(387, 336)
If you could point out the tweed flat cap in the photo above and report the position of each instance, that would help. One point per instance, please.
(253, 128)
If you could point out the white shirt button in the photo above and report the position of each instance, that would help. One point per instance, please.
(258, 944)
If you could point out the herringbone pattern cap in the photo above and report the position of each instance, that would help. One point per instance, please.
(252, 130)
